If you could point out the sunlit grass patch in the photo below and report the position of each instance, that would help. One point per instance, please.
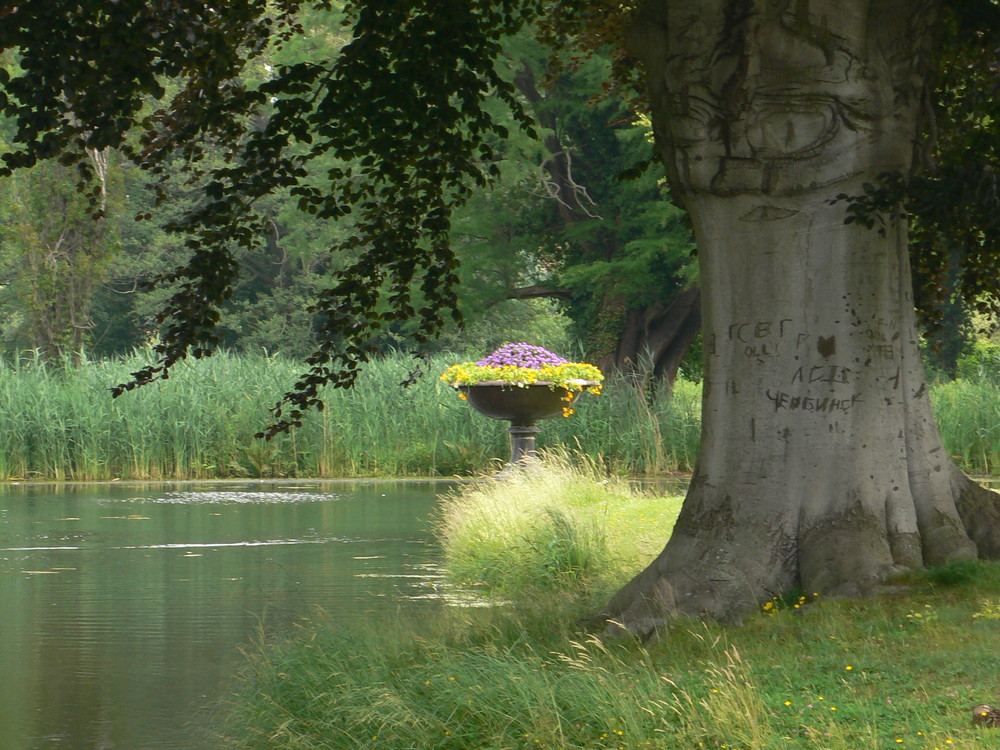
(561, 522)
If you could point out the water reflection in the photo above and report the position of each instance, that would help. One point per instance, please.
(122, 608)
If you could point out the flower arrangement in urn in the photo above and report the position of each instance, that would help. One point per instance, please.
(523, 383)
(522, 365)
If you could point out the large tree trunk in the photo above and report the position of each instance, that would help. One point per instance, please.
(821, 467)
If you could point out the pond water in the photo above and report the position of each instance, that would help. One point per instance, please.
(123, 608)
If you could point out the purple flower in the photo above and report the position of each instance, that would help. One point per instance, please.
(521, 355)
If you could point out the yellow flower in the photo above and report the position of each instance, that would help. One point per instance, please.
(849, 668)
(573, 376)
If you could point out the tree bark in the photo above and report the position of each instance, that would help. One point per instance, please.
(821, 468)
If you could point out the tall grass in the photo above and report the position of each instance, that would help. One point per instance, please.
(555, 525)
(61, 424)
(968, 415)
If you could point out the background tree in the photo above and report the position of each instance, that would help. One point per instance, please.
(563, 224)
(57, 247)
(955, 193)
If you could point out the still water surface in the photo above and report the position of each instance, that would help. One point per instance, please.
(123, 608)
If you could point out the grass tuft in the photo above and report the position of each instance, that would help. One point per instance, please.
(954, 573)
(554, 525)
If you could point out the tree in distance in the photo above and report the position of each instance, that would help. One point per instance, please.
(791, 132)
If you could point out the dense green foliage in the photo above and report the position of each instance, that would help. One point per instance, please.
(60, 424)
(557, 224)
(563, 221)
(955, 242)
(408, 146)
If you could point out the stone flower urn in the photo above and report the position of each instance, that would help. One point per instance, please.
(522, 384)
(522, 406)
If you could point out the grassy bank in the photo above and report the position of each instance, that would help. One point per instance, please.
(63, 425)
(904, 670)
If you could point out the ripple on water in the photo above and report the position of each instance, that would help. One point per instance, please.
(223, 497)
